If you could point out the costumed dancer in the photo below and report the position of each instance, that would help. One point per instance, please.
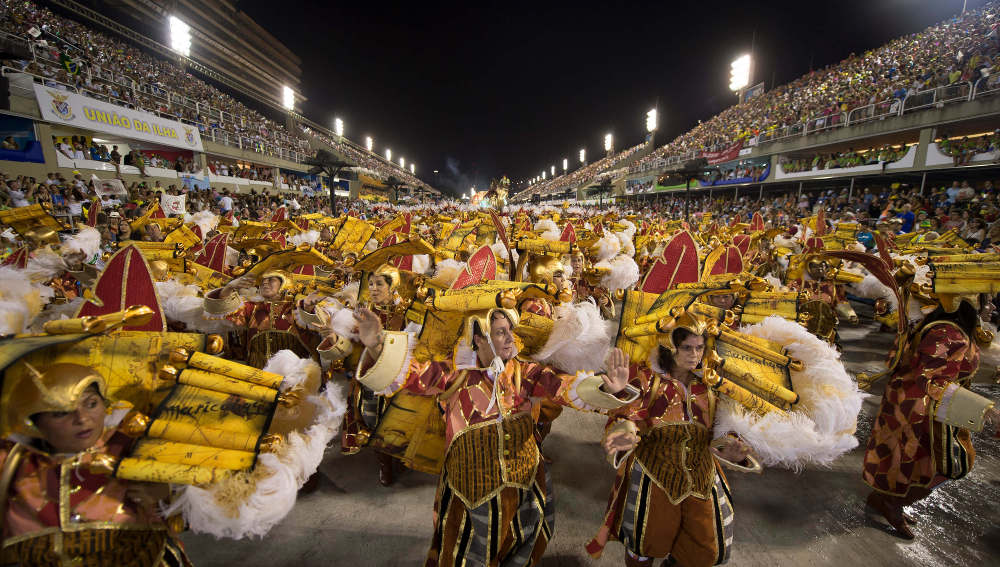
(488, 511)
(709, 395)
(921, 437)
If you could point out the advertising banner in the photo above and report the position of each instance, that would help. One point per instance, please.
(64, 107)
(722, 156)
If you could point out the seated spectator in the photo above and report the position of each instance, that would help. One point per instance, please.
(10, 144)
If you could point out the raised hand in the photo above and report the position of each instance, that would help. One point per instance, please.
(369, 328)
(618, 442)
(616, 377)
(311, 300)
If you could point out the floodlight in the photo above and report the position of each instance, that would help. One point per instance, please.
(338, 127)
(287, 97)
(180, 36)
(608, 142)
(583, 155)
(402, 162)
(369, 143)
(388, 154)
(565, 165)
(553, 170)
(413, 168)
(739, 73)
(543, 176)
(651, 120)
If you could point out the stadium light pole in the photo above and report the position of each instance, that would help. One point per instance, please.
(180, 36)
(338, 127)
(652, 123)
(388, 155)
(553, 170)
(413, 168)
(739, 75)
(609, 143)
(583, 156)
(565, 166)
(369, 143)
(287, 97)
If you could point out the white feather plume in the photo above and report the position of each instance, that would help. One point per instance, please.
(21, 300)
(870, 287)
(185, 303)
(309, 237)
(821, 426)
(546, 225)
(447, 271)
(206, 221)
(44, 265)
(87, 240)
(607, 247)
(580, 338)
(421, 263)
(624, 273)
(344, 324)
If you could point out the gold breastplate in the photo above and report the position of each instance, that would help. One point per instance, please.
(677, 457)
(488, 456)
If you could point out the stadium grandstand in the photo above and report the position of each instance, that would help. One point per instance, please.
(222, 89)
(929, 92)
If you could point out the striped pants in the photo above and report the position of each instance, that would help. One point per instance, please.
(509, 530)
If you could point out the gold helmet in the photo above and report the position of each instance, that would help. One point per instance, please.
(485, 321)
(57, 389)
(391, 273)
(287, 281)
(681, 319)
(542, 269)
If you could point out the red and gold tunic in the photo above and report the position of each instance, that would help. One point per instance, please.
(672, 472)
(492, 460)
(907, 446)
(58, 511)
(264, 328)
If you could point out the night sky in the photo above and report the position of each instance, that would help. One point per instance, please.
(481, 89)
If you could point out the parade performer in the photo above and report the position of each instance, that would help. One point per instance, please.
(265, 326)
(711, 395)
(488, 511)
(921, 437)
(56, 511)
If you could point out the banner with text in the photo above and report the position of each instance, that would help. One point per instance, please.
(173, 204)
(722, 156)
(64, 107)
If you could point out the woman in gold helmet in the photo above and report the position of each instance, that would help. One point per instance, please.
(366, 409)
(92, 518)
(662, 448)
